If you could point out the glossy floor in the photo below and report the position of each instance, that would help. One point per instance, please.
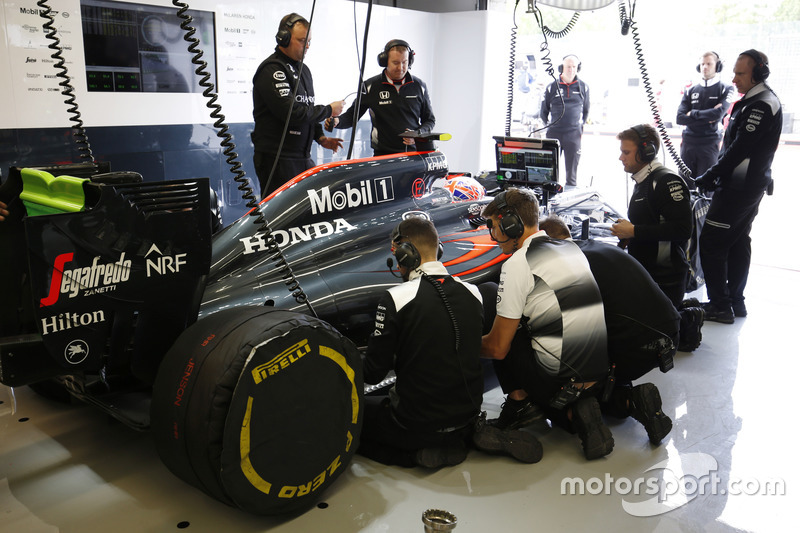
(730, 463)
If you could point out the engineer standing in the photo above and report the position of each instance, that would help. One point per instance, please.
(701, 110)
(739, 180)
(565, 107)
(281, 82)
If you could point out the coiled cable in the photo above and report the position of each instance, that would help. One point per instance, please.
(511, 67)
(648, 88)
(274, 251)
(78, 132)
(559, 34)
(547, 62)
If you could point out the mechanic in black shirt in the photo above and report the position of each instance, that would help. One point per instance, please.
(739, 179)
(278, 78)
(642, 326)
(701, 110)
(428, 330)
(657, 234)
(566, 103)
(397, 102)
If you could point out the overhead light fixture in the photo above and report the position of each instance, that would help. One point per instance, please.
(572, 5)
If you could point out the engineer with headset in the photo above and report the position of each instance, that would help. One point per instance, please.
(642, 328)
(701, 110)
(739, 180)
(566, 103)
(397, 102)
(660, 224)
(428, 331)
(548, 338)
(283, 82)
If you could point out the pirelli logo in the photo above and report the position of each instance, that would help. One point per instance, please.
(281, 361)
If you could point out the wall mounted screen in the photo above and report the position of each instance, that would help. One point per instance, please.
(140, 48)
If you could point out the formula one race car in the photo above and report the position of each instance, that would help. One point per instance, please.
(239, 351)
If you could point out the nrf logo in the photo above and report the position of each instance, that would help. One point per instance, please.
(163, 264)
(367, 192)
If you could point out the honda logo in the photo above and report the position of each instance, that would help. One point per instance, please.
(384, 95)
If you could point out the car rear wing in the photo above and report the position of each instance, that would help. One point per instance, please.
(97, 275)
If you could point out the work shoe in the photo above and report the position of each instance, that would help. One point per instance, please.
(692, 319)
(515, 414)
(438, 456)
(739, 309)
(645, 407)
(689, 302)
(520, 445)
(718, 314)
(587, 421)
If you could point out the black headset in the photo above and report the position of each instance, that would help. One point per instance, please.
(645, 149)
(561, 66)
(761, 68)
(510, 222)
(383, 57)
(284, 35)
(719, 62)
(406, 253)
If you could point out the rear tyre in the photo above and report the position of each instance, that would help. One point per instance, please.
(259, 408)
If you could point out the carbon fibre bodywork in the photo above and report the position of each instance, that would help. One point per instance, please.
(332, 224)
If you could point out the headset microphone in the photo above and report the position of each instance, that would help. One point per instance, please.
(390, 264)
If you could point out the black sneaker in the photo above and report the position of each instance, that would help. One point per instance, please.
(692, 319)
(515, 414)
(645, 407)
(520, 445)
(436, 457)
(717, 314)
(587, 421)
(739, 309)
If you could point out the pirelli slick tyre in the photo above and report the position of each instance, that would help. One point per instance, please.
(259, 408)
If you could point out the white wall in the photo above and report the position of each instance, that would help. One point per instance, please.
(469, 86)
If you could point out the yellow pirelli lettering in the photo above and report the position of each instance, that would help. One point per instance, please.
(281, 361)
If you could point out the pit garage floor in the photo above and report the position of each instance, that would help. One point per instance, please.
(730, 463)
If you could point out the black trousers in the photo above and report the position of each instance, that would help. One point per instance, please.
(571, 148)
(384, 440)
(725, 245)
(286, 169)
(699, 154)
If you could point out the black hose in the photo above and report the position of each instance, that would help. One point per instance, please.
(359, 92)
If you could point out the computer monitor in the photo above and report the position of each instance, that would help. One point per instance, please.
(526, 161)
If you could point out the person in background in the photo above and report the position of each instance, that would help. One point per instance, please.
(701, 110)
(566, 103)
(397, 102)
